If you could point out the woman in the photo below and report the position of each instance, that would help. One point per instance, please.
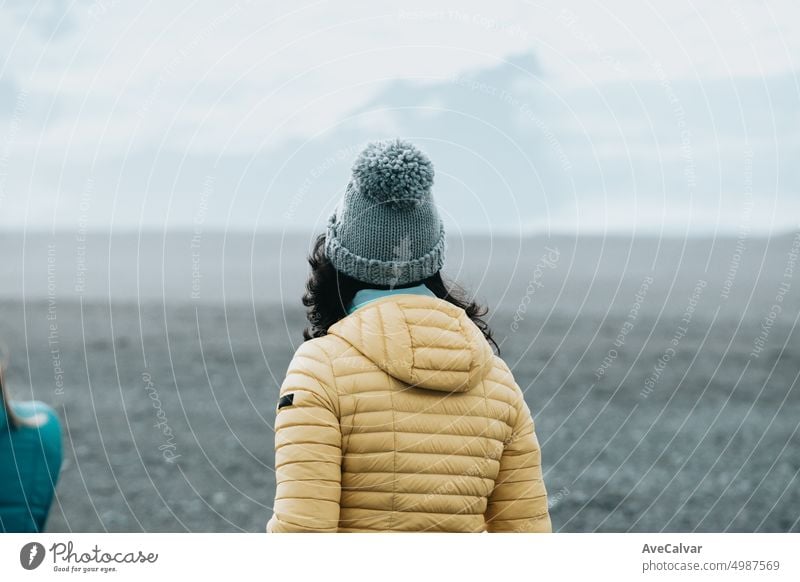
(396, 415)
(30, 460)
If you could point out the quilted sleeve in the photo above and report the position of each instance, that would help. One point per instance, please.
(518, 502)
(308, 451)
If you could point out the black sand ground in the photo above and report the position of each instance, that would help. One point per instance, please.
(708, 441)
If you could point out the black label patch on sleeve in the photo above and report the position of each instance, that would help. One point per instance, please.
(286, 400)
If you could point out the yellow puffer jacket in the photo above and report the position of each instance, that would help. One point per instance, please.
(402, 419)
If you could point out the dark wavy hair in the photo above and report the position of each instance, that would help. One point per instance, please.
(329, 294)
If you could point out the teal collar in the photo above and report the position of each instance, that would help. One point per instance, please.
(364, 296)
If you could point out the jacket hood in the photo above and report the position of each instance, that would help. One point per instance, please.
(422, 341)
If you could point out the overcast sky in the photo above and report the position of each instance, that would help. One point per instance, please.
(679, 117)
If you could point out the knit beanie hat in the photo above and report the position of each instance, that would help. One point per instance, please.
(386, 230)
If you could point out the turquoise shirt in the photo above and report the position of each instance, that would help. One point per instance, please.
(364, 296)
(30, 461)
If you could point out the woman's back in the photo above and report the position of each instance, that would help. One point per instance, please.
(397, 416)
(402, 419)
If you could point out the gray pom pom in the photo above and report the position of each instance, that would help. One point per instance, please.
(394, 172)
